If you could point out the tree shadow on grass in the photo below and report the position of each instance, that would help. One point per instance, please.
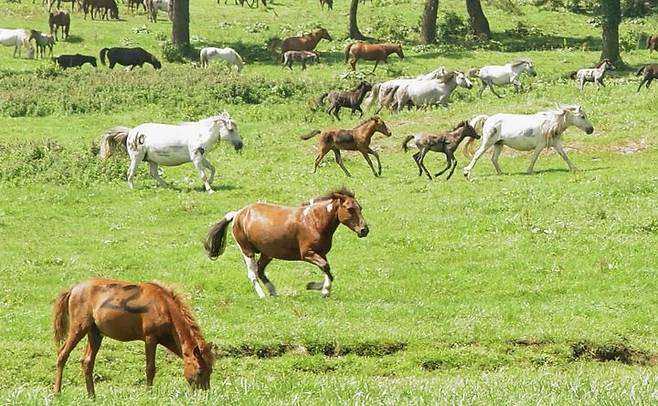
(530, 41)
(555, 170)
(72, 39)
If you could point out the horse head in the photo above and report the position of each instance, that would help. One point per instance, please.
(349, 212)
(228, 130)
(398, 50)
(607, 64)
(575, 115)
(155, 62)
(198, 366)
(462, 80)
(530, 68)
(380, 126)
(323, 34)
(467, 130)
(364, 85)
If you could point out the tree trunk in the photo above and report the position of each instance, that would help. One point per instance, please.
(428, 25)
(354, 28)
(479, 22)
(611, 13)
(180, 28)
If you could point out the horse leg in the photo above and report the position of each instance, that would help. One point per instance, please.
(153, 169)
(379, 164)
(454, 166)
(94, 339)
(318, 159)
(336, 112)
(339, 161)
(533, 158)
(150, 345)
(581, 84)
(484, 86)
(367, 158)
(132, 169)
(211, 168)
(353, 63)
(321, 262)
(641, 83)
(421, 162)
(557, 145)
(484, 146)
(416, 157)
(252, 270)
(376, 63)
(449, 158)
(262, 263)
(197, 160)
(75, 335)
(494, 92)
(498, 148)
(649, 82)
(360, 111)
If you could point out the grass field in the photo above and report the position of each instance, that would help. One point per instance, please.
(508, 289)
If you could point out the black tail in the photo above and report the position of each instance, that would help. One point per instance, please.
(310, 135)
(573, 74)
(216, 241)
(104, 51)
(405, 142)
(640, 71)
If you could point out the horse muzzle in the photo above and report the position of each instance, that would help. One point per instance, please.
(589, 130)
(238, 147)
(363, 232)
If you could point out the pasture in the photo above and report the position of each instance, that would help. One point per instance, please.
(510, 289)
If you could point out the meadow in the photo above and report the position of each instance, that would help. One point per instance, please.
(509, 289)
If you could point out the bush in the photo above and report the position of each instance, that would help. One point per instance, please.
(452, 27)
(393, 29)
(171, 53)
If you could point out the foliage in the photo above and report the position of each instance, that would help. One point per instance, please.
(452, 27)
(392, 28)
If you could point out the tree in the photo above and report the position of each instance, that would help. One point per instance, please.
(180, 29)
(611, 18)
(354, 28)
(479, 22)
(428, 25)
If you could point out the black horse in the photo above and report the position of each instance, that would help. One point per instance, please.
(73, 61)
(129, 57)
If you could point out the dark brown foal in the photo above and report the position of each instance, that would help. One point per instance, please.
(649, 73)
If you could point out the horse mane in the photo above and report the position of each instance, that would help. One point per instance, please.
(519, 62)
(447, 77)
(556, 126)
(373, 118)
(335, 194)
(461, 124)
(188, 318)
(598, 65)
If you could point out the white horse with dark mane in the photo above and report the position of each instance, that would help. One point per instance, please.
(422, 93)
(18, 39)
(228, 55)
(503, 75)
(380, 91)
(527, 132)
(172, 145)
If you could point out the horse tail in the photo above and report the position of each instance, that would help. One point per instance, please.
(406, 140)
(573, 74)
(117, 136)
(347, 51)
(477, 123)
(61, 316)
(639, 72)
(389, 96)
(649, 38)
(374, 94)
(216, 241)
(104, 52)
(310, 135)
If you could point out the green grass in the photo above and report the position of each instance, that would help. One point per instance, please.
(509, 289)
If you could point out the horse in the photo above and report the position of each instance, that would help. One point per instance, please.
(356, 139)
(300, 56)
(503, 75)
(75, 60)
(172, 145)
(95, 6)
(306, 42)
(652, 42)
(129, 57)
(446, 142)
(288, 233)
(594, 75)
(371, 52)
(59, 3)
(380, 91)
(149, 312)
(133, 5)
(429, 92)
(329, 3)
(649, 73)
(42, 42)
(229, 55)
(17, 38)
(152, 7)
(528, 132)
(351, 99)
(59, 19)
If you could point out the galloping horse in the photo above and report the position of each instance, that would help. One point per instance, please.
(172, 145)
(123, 311)
(306, 42)
(649, 73)
(288, 233)
(356, 139)
(371, 52)
(380, 91)
(429, 92)
(503, 75)
(18, 39)
(594, 75)
(342, 98)
(528, 132)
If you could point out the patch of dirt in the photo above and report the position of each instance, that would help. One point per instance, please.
(612, 352)
(330, 349)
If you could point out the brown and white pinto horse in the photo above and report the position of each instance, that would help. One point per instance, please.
(288, 233)
(123, 311)
(371, 52)
(356, 139)
(306, 42)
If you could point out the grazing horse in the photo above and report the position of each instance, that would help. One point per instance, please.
(172, 145)
(329, 3)
(380, 91)
(503, 75)
(300, 56)
(129, 57)
(429, 92)
(228, 55)
(18, 39)
(351, 99)
(371, 52)
(288, 233)
(446, 142)
(42, 42)
(149, 312)
(75, 60)
(594, 75)
(356, 139)
(59, 19)
(306, 42)
(59, 3)
(528, 132)
(649, 73)
(652, 42)
(101, 6)
(152, 7)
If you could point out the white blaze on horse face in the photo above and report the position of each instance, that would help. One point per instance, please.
(330, 207)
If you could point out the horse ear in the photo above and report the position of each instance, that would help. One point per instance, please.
(197, 352)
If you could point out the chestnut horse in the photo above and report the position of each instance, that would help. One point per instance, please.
(356, 139)
(371, 52)
(306, 42)
(123, 311)
(288, 233)
(652, 42)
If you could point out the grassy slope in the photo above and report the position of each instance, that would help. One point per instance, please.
(488, 284)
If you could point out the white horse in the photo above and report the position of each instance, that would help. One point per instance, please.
(380, 91)
(595, 75)
(430, 92)
(172, 145)
(152, 7)
(229, 55)
(503, 75)
(18, 38)
(527, 132)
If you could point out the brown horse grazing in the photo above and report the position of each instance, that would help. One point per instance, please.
(149, 312)
(356, 139)
(649, 73)
(446, 142)
(652, 42)
(306, 42)
(371, 52)
(289, 233)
